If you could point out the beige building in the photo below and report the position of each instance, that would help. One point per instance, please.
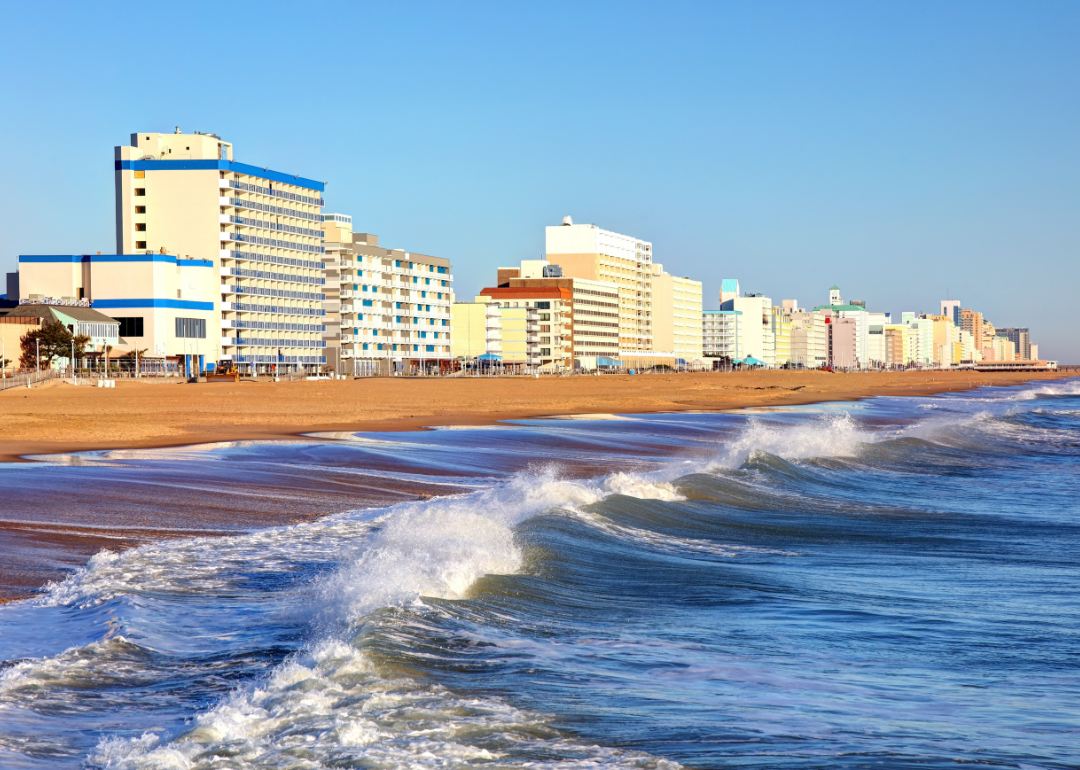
(809, 346)
(586, 251)
(183, 196)
(676, 313)
(594, 309)
(392, 307)
(544, 324)
(165, 305)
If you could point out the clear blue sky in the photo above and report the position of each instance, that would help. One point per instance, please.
(900, 150)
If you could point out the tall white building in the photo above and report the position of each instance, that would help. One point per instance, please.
(182, 196)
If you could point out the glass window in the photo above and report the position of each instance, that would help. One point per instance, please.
(191, 328)
(131, 326)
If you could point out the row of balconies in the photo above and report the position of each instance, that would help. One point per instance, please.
(271, 259)
(230, 201)
(228, 271)
(308, 200)
(263, 224)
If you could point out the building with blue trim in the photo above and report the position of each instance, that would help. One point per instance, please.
(218, 262)
(260, 231)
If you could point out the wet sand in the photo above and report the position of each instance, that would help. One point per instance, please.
(139, 414)
(47, 532)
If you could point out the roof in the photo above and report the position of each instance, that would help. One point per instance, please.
(526, 292)
(834, 288)
(729, 284)
(839, 308)
(84, 314)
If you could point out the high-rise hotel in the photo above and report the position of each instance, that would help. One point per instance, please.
(183, 196)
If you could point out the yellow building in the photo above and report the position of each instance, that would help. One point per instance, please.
(536, 325)
(586, 251)
(475, 329)
(260, 231)
(676, 316)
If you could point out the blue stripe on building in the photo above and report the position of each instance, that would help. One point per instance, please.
(73, 258)
(219, 165)
(174, 304)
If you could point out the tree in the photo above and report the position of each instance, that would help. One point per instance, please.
(53, 340)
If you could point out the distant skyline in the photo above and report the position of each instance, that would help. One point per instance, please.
(904, 151)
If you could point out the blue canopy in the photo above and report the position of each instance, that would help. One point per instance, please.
(489, 357)
(751, 361)
(737, 361)
(601, 361)
(681, 361)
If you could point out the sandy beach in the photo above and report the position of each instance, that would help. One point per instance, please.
(59, 417)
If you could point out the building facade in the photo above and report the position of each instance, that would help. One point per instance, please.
(547, 313)
(594, 330)
(475, 330)
(676, 316)
(261, 230)
(720, 337)
(587, 251)
(392, 306)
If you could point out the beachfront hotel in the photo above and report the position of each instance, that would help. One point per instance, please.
(589, 252)
(387, 310)
(585, 333)
(183, 195)
(217, 261)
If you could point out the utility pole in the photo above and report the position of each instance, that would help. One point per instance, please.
(37, 346)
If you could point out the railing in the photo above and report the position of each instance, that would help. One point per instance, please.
(246, 222)
(26, 379)
(276, 193)
(274, 260)
(274, 243)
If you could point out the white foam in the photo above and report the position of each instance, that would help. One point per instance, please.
(835, 435)
(1069, 387)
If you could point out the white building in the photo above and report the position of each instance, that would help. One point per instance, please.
(393, 305)
(183, 196)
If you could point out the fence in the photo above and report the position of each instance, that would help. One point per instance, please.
(26, 379)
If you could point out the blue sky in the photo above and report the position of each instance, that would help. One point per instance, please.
(900, 150)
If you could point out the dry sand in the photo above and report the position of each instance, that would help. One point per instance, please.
(59, 417)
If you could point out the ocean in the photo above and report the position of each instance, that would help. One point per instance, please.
(888, 583)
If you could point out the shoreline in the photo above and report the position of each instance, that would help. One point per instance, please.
(167, 417)
(147, 415)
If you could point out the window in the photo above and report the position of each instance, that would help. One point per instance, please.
(140, 209)
(140, 244)
(543, 305)
(140, 192)
(191, 328)
(545, 351)
(131, 327)
(140, 227)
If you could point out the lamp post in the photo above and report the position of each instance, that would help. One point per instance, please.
(37, 347)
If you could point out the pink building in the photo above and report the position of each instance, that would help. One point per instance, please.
(842, 343)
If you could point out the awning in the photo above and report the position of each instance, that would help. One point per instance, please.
(751, 361)
(489, 357)
(601, 361)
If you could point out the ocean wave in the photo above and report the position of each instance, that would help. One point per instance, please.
(836, 435)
